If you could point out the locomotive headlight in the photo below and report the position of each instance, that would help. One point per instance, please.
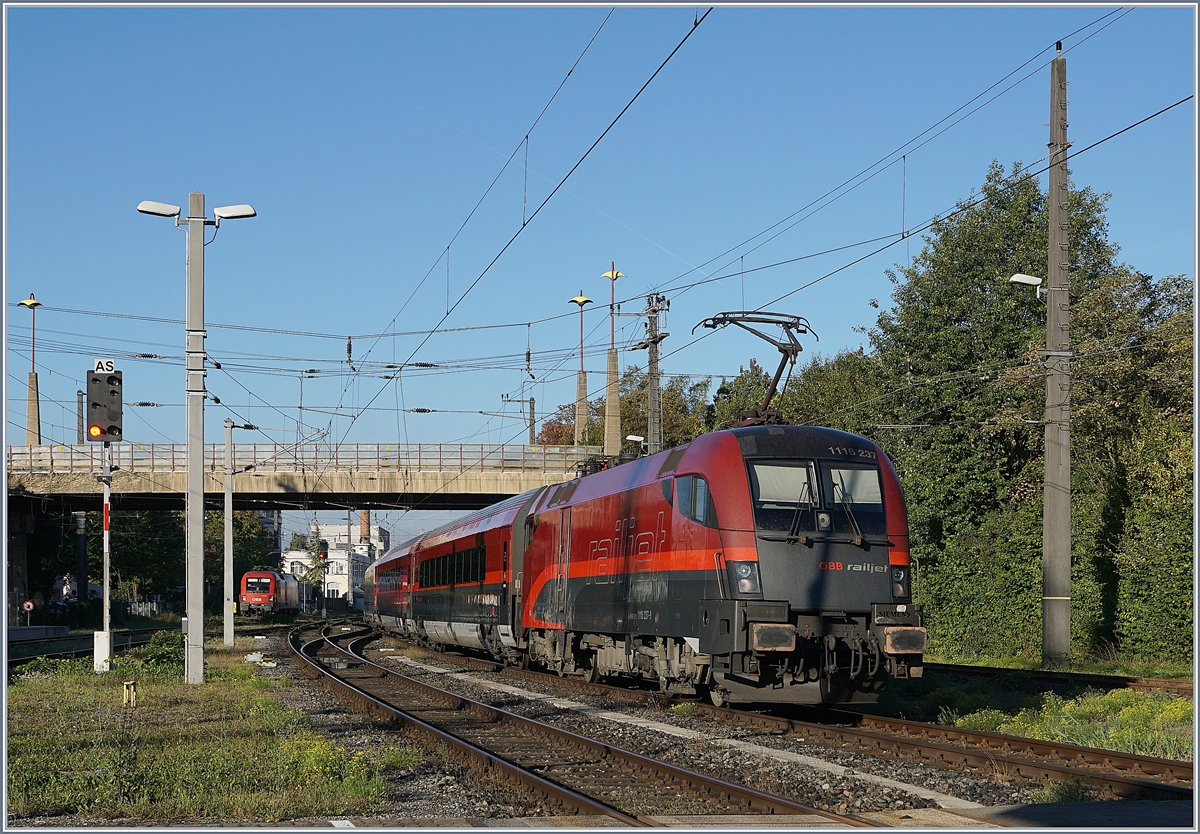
(900, 582)
(746, 579)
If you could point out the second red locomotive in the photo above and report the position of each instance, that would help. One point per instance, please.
(265, 590)
(757, 564)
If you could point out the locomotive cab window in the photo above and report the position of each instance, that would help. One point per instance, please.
(695, 500)
(785, 495)
(854, 494)
(258, 585)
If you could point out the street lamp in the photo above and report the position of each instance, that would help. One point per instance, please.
(1029, 281)
(32, 303)
(193, 662)
(33, 411)
(229, 586)
(581, 381)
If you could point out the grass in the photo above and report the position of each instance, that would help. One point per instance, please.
(228, 748)
(1126, 720)
(1072, 791)
(1107, 663)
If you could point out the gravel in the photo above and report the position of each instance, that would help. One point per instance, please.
(838, 791)
(438, 788)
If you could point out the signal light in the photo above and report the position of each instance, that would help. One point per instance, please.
(104, 406)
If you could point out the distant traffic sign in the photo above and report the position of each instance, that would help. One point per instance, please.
(27, 606)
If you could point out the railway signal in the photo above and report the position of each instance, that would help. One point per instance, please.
(104, 403)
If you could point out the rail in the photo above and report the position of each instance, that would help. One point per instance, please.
(317, 458)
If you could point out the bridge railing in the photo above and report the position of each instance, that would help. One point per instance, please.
(273, 457)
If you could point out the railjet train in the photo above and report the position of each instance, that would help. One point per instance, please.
(765, 563)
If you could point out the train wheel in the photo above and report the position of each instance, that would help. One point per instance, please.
(718, 697)
(592, 673)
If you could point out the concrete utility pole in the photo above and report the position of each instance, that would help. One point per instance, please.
(81, 581)
(194, 333)
(79, 438)
(230, 587)
(612, 399)
(1056, 520)
(194, 355)
(655, 304)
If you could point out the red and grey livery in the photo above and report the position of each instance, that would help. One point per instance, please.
(757, 564)
(267, 591)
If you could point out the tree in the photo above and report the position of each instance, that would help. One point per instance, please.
(147, 549)
(960, 368)
(685, 412)
(842, 393)
(744, 391)
(251, 545)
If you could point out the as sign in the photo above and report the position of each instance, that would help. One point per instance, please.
(103, 366)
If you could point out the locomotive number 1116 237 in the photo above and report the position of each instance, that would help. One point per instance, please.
(854, 453)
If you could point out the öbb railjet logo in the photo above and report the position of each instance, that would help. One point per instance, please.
(850, 566)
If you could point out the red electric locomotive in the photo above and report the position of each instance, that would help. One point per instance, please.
(265, 591)
(765, 563)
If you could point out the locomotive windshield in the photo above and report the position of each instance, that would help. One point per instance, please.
(258, 585)
(817, 497)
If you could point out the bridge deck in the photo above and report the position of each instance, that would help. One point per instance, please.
(313, 476)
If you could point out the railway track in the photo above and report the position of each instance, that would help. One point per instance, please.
(83, 645)
(76, 645)
(569, 772)
(1116, 775)
(1053, 679)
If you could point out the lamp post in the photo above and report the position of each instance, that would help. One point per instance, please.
(229, 586)
(193, 659)
(612, 401)
(581, 380)
(33, 411)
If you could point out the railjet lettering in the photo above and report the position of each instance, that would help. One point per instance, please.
(847, 566)
(624, 542)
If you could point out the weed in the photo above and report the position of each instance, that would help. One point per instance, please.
(683, 710)
(947, 716)
(1072, 791)
(400, 758)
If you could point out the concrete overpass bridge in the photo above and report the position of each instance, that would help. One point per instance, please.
(429, 476)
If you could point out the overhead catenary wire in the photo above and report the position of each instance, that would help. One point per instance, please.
(548, 197)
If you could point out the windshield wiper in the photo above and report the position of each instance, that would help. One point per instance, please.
(841, 497)
(807, 539)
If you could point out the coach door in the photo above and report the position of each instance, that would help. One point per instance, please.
(562, 570)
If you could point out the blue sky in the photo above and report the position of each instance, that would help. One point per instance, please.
(364, 138)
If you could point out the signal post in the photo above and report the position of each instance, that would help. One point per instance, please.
(104, 419)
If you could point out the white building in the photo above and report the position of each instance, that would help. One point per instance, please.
(348, 560)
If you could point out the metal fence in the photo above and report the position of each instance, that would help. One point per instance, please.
(145, 608)
(316, 458)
